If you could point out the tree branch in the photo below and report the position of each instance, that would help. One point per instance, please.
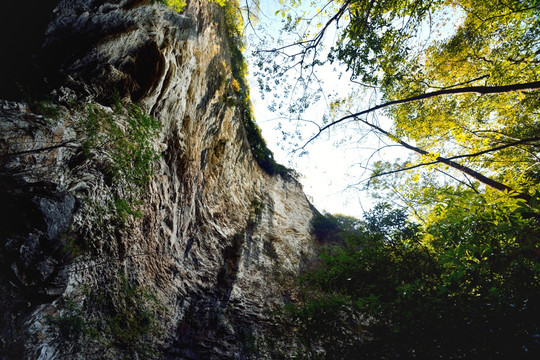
(314, 42)
(465, 90)
(494, 184)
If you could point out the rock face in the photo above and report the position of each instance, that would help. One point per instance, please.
(182, 260)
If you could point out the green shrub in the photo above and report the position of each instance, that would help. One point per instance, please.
(70, 322)
(120, 319)
(127, 135)
(175, 5)
(130, 146)
(124, 208)
(130, 321)
(325, 227)
(329, 228)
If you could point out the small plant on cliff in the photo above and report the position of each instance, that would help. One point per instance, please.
(70, 323)
(131, 320)
(176, 5)
(129, 144)
(126, 137)
(38, 103)
(256, 209)
(120, 320)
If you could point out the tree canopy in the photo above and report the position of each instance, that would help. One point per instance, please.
(458, 79)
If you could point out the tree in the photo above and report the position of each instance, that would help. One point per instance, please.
(463, 287)
(465, 101)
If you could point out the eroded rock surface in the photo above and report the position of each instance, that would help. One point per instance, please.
(206, 248)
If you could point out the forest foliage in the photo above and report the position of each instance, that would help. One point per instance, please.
(466, 286)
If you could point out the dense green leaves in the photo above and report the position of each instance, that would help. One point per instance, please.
(374, 45)
(466, 286)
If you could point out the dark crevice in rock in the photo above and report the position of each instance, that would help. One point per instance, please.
(69, 56)
(227, 275)
(128, 5)
(206, 331)
(203, 161)
(164, 88)
(189, 244)
(33, 216)
(148, 69)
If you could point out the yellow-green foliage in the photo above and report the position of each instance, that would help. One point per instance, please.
(219, 2)
(176, 5)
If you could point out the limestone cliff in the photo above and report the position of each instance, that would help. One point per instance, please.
(181, 258)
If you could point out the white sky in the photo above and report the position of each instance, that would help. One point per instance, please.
(328, 169)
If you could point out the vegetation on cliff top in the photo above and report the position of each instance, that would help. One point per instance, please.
(235, 35)
(175, 5)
